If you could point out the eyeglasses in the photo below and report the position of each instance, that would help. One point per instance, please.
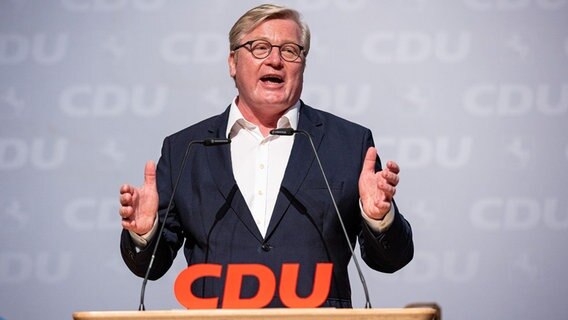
(260, 49)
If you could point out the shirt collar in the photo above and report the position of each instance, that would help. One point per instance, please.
(288, 120)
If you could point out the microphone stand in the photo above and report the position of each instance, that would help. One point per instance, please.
(289, 132)
(205, 142)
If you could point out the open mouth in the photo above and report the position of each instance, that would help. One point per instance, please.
(272, 79)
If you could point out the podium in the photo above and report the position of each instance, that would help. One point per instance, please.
(276, 313)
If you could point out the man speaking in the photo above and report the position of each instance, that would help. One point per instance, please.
(262, 198)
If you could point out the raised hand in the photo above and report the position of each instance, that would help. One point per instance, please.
(139, 206)
(376, 189)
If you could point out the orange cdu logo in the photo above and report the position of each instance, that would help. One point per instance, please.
(266, 289)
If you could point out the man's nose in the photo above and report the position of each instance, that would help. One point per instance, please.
(274, 57)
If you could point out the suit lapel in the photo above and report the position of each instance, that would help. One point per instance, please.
(301, 159)
(219, 159)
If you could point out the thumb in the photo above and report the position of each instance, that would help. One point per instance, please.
(150, 174)
(370, 160)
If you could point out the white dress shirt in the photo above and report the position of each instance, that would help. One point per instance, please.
(259, 162)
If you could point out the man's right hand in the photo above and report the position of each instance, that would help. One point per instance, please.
(139, 206)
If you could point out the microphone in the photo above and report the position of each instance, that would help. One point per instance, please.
(283, 132)
(215, 141)
(291, 131)
(206, 142)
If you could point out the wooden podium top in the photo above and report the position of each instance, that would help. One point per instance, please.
(277, 313)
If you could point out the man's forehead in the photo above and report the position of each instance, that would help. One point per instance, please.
(280, 27)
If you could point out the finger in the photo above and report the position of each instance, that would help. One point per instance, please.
(125, 199)
(390, 177)
(370, 160)
(128, 224)
(393, 166)
(125, 212)
(150, 174)
(383, 206)
(126, 188)
(388, 190)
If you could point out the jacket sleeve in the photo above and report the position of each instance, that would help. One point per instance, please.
(392, 249)
(171, 237)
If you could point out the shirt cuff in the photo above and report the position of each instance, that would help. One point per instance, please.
(141, 241)
(376, 225)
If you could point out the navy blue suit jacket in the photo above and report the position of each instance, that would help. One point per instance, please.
(213, 223)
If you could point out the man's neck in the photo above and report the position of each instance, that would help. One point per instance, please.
(265, 121)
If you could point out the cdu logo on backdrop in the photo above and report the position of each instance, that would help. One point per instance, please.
(519, 214)
(113, 100)
(405, 47)
(41, 48)
(185, 48)
(104, 6)
(423, 152)
(343, 98)
(339, 5)
(511, 100)
(514, 5)
(87, 214)
(448, 266)
(43, 267)
(39, 153)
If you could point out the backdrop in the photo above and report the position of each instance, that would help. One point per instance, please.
(469, 96)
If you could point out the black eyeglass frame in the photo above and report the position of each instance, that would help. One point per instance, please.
(251, 42)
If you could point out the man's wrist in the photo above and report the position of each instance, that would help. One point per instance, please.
(141, 241)
(378, 225)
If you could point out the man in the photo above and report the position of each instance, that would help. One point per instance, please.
(262, 199)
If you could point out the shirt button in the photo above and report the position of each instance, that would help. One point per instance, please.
(261, 166)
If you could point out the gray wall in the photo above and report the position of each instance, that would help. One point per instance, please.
(469, 96)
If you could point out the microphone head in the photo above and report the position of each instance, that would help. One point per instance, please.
(216, 141)
(282, 132)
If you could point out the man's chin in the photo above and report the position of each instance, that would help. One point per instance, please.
(275, 101)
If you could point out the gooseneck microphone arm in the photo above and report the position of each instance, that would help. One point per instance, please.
(205, 142)
(290, 132)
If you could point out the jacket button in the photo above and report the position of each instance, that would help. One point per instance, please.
(266, 247)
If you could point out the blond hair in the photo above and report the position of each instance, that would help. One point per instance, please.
(257, 15)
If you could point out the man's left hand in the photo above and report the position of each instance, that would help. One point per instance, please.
(376, 189)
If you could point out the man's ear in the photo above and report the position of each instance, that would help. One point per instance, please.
(232, 60)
